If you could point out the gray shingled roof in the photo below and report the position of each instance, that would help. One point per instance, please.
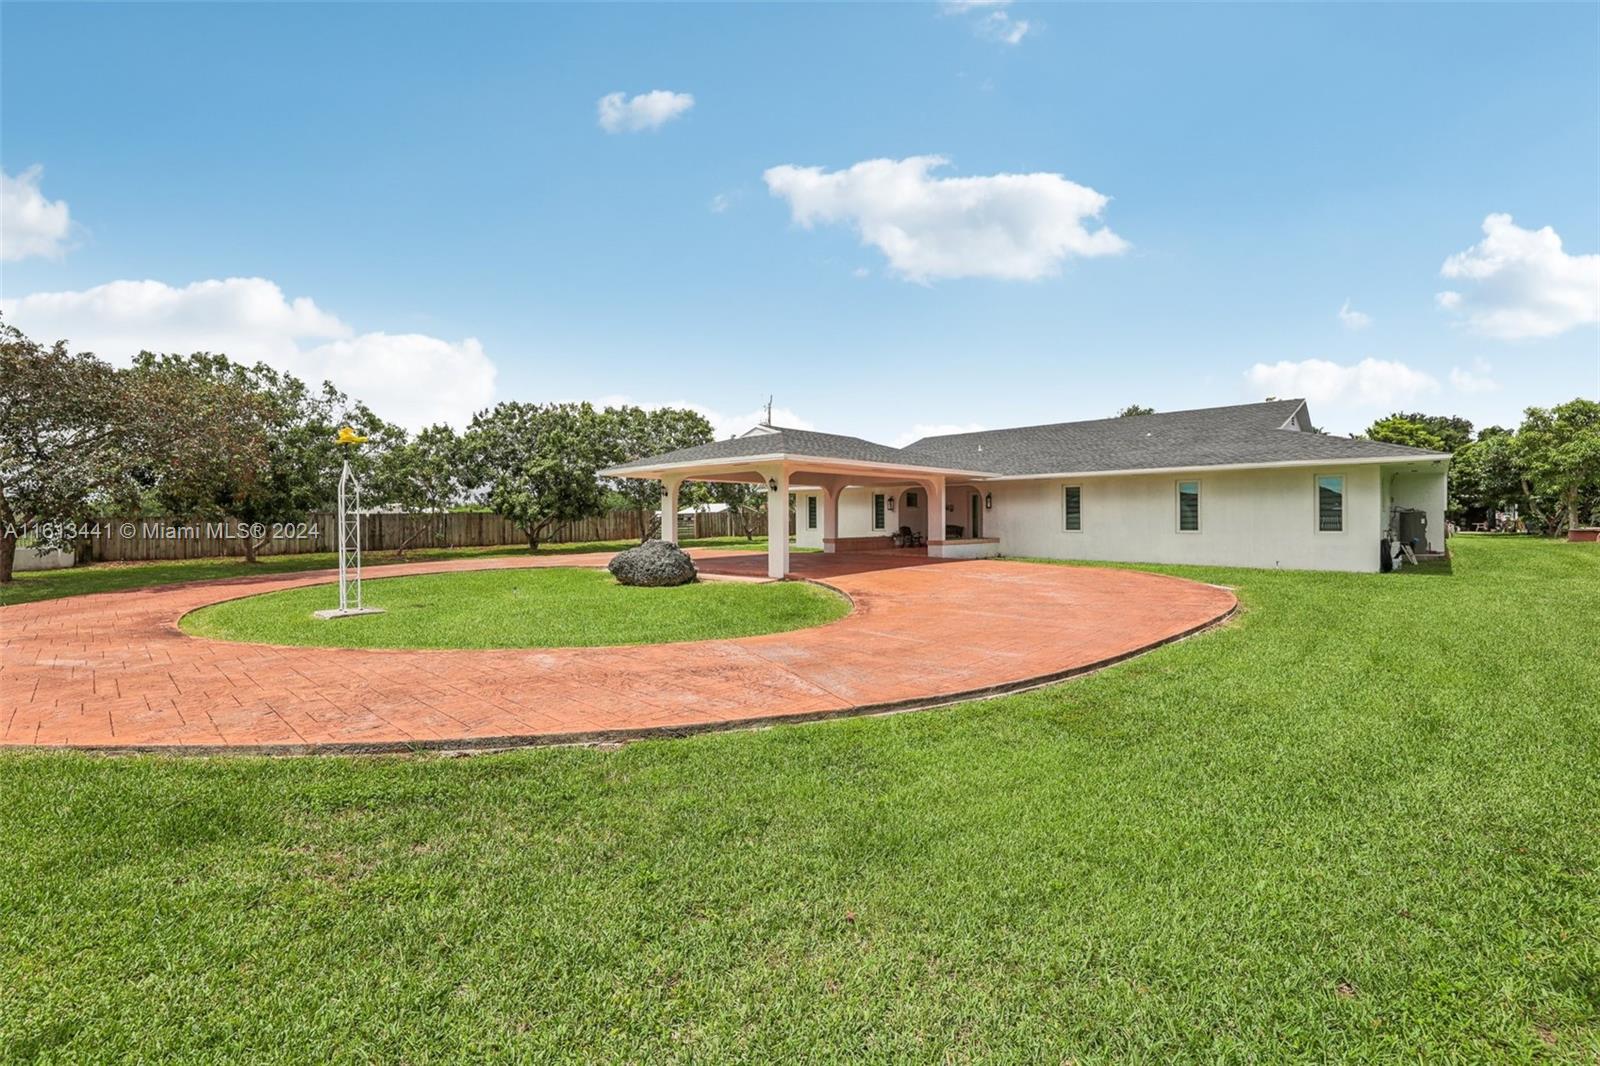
(1212, 436)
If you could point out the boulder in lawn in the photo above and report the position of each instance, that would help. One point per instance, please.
(653, 564)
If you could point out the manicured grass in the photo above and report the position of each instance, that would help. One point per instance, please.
(1357, 824)
(114, 577)
(543, 608)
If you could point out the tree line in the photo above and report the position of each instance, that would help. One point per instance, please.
(201, 437)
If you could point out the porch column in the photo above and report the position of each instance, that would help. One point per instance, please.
(669, 509)
(777, 521)
(937, 518)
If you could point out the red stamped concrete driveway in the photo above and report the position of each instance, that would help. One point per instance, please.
(114, 671)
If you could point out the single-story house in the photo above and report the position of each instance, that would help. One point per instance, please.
(1247, 485)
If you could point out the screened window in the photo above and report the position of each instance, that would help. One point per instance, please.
(1189, 506)
(811, 512)
(1330, 504)
(877, 510)
(911, 499)
(1073, 504)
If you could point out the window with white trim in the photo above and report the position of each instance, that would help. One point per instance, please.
(1330, 503)
(1188, 507)
(1072, 508)
(811, 512)
(877, 510)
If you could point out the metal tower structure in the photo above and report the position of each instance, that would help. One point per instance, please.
(349, 538)
(349, 519)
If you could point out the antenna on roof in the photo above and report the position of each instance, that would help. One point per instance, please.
(769, 409)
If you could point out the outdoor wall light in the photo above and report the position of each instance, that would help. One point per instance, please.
(988, 501)
(772, 484)
(890, 502)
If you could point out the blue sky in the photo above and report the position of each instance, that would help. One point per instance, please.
(434, 215)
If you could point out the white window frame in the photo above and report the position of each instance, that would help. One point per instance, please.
(1177, 504)
(1316, 504)
(1064, 490)
(880, 516)
(811, 511)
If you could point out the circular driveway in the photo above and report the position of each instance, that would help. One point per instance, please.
(113, 670)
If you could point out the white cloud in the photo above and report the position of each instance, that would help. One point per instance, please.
(31, 225)
(1371, 382)
(1012, 226)
(917, 432)
(408, 378)
(991, 21)
(1352, 318)
(620, 113)
(1475, 380)
(999, 26)
(720, 203)
(1524, 284)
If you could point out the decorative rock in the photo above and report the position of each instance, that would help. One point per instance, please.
(654, 564)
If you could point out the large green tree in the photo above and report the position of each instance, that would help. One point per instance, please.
(635, 433)
(1557, 451)
(1440, 433)
(1484, 476)
(423, 476)
(248, 444)
(537, 462)
(66, 427)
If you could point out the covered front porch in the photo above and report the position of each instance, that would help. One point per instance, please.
(939, 511)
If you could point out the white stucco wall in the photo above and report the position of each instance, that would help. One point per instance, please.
(855, 511)
(29, 558)
(1259, 518)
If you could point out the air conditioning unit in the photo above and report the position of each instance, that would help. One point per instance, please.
(1410, 527)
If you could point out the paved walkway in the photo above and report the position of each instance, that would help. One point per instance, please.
(114, 671)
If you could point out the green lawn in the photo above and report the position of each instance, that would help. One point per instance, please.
(545, 608)
(1360, 823)
(114, 577)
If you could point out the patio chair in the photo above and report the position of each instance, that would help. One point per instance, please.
(905, 538)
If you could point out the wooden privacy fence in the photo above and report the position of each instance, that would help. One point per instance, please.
(143, 539)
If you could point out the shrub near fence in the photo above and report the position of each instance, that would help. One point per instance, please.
(147, 539)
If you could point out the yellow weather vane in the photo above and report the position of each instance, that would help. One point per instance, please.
(348, 436)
